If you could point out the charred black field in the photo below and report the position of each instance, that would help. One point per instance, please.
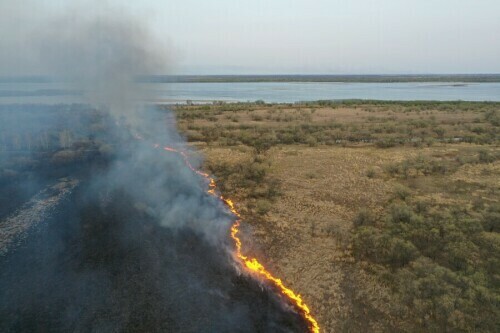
(99, 232)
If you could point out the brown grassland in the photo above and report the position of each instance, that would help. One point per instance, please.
(383, 215)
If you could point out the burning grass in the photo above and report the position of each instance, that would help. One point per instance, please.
(251, 264)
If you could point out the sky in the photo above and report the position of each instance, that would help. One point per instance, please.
(284, 36)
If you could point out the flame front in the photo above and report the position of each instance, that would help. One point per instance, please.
(251, 264)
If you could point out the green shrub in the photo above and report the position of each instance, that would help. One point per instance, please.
(386, 143)
(400, 252)
(402, 213)
(371, 173)
(257, 117)
(311, 141)
(485, 157)
(263, 206)
(402, 192)
(491, 218)
(364, 218)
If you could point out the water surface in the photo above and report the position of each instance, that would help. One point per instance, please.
(277, 92)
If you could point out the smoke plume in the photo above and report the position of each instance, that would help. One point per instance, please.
(139, 245)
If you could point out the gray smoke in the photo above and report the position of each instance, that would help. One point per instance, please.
(102, 55)
(140, 246)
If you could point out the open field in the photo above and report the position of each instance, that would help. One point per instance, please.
(384, 215)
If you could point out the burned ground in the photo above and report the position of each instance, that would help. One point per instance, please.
(115, 269)
(120, 254)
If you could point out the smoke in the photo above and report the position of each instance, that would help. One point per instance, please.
(140, 245)
(102, 55)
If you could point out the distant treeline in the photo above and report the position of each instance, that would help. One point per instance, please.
(284, 78)
(322, 78)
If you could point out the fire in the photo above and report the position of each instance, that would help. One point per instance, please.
(255, 266)
(251, 264)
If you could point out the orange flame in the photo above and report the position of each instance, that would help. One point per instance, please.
(255, 266)
(251, 264)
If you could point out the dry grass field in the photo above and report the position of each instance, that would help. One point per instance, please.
(383, 215)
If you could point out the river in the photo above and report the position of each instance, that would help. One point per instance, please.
(271, 92)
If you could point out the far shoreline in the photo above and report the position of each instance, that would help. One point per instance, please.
(382, 78)
(257, 78)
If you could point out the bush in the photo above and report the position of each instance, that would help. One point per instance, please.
(491, 219)
(381, 248)
(364, 218)
(392, 169)
(401, 252)
(311, 141)
(263, 206)
(402, 214)
(371, 173)
(257, 117)
(485, 157)
(386, 143)
(365, 242)
(402, 192)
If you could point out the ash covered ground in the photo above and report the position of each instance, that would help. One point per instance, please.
(112, 235)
